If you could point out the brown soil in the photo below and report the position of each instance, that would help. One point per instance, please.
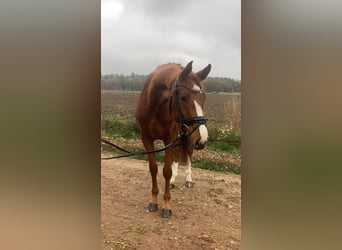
(220, 109)
(206, 216)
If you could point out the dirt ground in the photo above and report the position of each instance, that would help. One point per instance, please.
(206, 216)
(220, 109)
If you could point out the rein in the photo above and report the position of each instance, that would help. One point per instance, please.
(184, 127)
(169, 146)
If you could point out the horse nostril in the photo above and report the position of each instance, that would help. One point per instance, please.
(199, 144)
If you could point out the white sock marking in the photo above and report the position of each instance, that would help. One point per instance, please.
(202, 128)
(174, 171)
(188, 171)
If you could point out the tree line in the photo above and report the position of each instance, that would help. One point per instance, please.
(136, 82)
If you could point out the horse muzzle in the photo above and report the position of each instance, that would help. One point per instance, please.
(201, 139)
(198, 134)
(199, 145)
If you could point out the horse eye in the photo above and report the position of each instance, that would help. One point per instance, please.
(183, 98)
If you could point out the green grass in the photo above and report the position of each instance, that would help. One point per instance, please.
(219, 167)
(231, 147)
(208, 165)
(119, 127)
(221, 139)
(224, 139)
(159, 157)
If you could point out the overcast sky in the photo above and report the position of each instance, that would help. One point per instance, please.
(138, 35)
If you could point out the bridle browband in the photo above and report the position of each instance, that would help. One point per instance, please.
(185, 123)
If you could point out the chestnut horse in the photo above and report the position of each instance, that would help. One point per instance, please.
(170, 108)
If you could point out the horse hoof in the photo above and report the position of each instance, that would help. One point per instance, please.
(189, 184)
(172, 186)
(152, 207)
(166, 213)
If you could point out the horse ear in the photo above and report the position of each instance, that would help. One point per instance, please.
(204, 72)
(186, 71)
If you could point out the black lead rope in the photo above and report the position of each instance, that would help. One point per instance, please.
(169, 146)
(115, 146)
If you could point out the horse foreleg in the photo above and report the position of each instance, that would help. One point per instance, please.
(167, 172)
(149, 145)
(153, 206)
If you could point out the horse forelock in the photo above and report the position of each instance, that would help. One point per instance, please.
(193, 82)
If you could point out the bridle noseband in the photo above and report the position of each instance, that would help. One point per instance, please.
(185, 123)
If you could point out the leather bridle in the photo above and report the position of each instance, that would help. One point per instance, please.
(185, 123)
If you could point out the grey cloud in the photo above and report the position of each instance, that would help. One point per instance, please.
(152, 32)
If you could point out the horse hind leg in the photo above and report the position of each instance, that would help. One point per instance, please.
(174, 167)
(188, 179)
(149, 145)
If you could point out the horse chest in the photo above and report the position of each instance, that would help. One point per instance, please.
(161, 129)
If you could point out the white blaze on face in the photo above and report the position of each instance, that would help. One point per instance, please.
(202, 128)
(196, 88)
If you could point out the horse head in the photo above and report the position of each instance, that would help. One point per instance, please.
(187, 103)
